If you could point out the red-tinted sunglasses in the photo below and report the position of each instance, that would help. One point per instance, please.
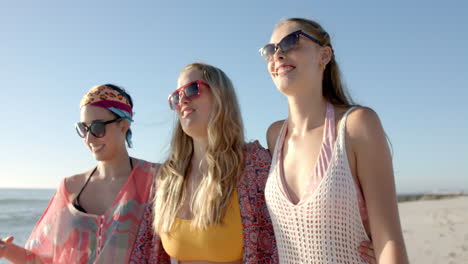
(191, 91)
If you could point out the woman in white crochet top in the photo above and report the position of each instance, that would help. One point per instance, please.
(331, 182)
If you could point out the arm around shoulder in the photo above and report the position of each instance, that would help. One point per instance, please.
(374, 170)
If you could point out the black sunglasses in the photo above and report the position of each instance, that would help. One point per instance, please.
(287, 43)
(97, 128)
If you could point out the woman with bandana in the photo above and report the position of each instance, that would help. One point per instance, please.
(101, 215)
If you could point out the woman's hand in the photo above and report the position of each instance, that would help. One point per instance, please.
(366, 250)
(4, 243)
(14, 253)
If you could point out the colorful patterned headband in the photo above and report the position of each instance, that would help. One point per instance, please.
(106, 97)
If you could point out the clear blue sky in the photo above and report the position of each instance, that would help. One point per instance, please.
(408, 60)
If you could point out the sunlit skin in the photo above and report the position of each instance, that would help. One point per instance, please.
(298, 75)
(302, 65)
(194, 116)
(112, 172)
(113, 163)
(113, 143)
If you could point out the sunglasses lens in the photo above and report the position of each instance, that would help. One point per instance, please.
(80, 129)
(174, 100)
(191, 91)
(267, 51)
(288, 42)
(98, 129)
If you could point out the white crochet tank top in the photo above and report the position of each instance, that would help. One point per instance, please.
(327, 226)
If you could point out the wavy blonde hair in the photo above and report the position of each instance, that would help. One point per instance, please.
(224, 159)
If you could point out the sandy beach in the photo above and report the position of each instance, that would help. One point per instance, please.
(436, 231)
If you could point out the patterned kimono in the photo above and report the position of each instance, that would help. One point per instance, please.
(65, 235)
(82, 239)
(259, 244)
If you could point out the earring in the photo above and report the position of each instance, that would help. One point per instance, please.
(322, 65)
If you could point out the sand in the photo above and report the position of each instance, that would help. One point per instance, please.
(436, 231)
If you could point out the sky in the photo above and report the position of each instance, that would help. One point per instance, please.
(405, 59)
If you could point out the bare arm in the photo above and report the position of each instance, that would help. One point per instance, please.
(374, 170)
(16, 254)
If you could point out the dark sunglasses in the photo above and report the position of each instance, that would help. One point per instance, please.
(191, 91)
(287, 43)
(97, 128)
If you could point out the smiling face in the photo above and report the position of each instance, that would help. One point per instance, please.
(301, 66)
(106, 147)
(194, 115)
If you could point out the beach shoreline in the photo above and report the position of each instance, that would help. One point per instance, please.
(435, 228)
(429, 196)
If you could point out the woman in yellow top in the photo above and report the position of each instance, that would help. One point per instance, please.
(209, 204)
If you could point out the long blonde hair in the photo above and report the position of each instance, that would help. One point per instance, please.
(224, 159)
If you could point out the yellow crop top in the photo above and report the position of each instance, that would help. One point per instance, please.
(221, 243)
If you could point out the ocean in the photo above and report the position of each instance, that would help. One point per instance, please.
(21, 208)
(19, 211)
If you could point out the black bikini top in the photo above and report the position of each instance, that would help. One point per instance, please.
(76, 202)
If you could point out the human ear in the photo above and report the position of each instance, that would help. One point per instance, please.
(326, 54)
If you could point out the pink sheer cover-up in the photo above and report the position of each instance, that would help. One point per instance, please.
(65, 235)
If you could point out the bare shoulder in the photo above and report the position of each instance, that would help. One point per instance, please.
(363, 121)
(273, 133)
(74, 183)
(364, 128)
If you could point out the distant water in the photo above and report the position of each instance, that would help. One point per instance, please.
(19, 211)
(21, 208)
